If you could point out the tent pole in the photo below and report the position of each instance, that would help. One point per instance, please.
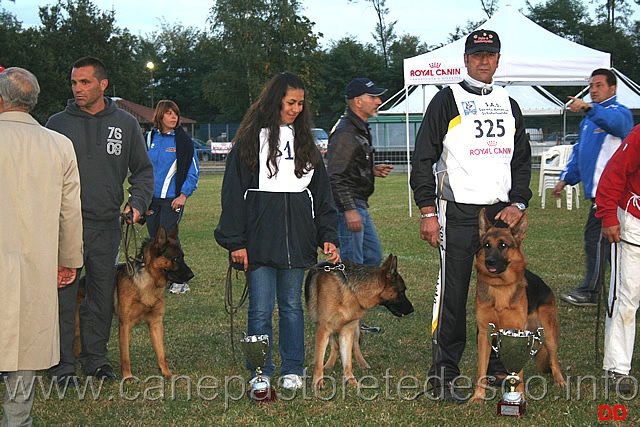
(406, 102)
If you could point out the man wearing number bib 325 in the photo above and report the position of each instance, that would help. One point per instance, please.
(471, 152)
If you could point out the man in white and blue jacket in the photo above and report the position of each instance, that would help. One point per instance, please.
(602, 130)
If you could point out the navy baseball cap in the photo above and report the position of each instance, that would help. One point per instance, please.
(362, 86)
(482, 41)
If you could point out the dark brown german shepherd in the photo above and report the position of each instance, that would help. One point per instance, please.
(338, 298)
(140, 297)
(511, 297)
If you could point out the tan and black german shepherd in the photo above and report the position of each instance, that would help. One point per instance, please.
(140, 297)
(338, 298)
(511, 297)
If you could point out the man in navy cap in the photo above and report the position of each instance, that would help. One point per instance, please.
(471, 152)
(352, 170)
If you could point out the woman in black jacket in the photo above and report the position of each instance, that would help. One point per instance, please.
(277, 209)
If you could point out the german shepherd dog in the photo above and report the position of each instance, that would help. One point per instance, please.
(337, 299)
(140, 296)
(511, 297)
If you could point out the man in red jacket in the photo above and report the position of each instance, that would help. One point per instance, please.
(618, 205)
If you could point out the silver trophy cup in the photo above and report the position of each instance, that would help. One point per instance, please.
(514, 348)
(256, 350)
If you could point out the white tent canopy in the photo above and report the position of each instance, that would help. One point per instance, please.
(529, 55)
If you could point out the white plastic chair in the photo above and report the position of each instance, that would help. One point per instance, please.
(552, 163)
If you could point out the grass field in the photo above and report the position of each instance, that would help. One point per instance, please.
(209, 391)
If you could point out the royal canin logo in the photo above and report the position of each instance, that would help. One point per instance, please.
(492, 143)
(435, 64)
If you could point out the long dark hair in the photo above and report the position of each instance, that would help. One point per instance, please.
(265, 114)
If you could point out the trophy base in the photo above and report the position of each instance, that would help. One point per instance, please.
(261, 396)
(511, 409)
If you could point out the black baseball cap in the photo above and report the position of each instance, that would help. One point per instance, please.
(482, 41)
(362, 86)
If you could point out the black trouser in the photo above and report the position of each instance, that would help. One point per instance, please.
(592, 243)
(457, 257)
(67, 320)
(160, 213)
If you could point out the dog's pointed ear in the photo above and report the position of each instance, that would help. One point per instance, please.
(483, 221)
(390, 265)
(519, 230)
(161, 236)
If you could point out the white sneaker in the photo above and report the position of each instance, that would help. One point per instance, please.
(179, 288)
(291, 382)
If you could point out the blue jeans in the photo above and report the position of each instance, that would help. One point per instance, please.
(265, 285)
(362, 247)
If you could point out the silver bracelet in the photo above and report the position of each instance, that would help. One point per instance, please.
(428, 215)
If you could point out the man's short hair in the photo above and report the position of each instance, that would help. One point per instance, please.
(19, 88)
(610, 75)
(100, 71)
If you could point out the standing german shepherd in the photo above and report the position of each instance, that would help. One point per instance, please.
(511, 297)
(140, 297)
(338, 298)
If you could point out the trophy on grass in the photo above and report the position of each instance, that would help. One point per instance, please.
(256, 350)
(514, 347)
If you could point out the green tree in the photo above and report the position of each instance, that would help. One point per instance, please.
(75, 28)
(405, 47)
(179, 68)
(566, 18)
(345, 60)
(489, 7)
(384, 33)
(253, 40)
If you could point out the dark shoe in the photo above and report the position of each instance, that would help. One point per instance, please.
(449, 394)
(579, 299)
(66, 380)
(104, 372)
(620, 383)
(366, 328)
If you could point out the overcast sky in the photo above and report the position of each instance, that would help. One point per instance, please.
(430, 20)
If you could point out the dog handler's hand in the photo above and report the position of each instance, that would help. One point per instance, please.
(136, 214)
(509, 215)
(240, 257)
(332, 252)
(66, 276)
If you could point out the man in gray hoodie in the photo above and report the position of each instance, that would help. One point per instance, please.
(108, 143)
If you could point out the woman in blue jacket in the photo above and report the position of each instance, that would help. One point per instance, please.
(277, 210)
(175, 169)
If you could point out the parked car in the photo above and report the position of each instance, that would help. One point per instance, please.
(570, 139)
(322, 139)
(202, 150)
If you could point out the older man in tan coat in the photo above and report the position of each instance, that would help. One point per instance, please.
(40, 238)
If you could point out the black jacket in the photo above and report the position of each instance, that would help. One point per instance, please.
(350, 162)
(280, 230)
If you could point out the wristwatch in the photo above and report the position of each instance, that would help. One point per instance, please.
(520, 206)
